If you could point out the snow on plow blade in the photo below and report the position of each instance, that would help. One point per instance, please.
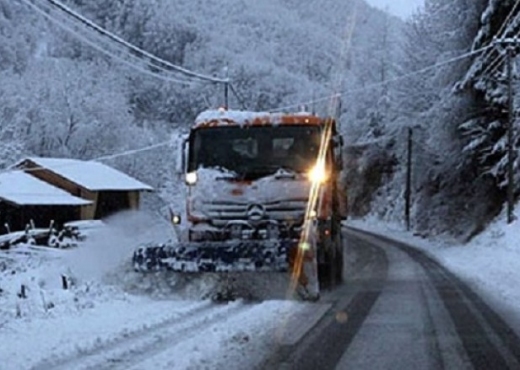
(234, 256)
(280, 256)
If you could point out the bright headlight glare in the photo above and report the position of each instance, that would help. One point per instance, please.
(318, 174)
(191, 178)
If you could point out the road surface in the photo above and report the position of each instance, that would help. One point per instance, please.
(399, 309)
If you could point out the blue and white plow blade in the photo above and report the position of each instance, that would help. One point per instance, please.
(240, 256)
(216, 256)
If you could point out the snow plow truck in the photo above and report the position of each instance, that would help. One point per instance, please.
(263, 195)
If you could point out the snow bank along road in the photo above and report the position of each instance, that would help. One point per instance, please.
(400, 309)
(181, 334)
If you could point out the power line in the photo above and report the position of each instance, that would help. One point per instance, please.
(383, 83)
(501, 29)
(73, 29)
(496, 63)
(297, 105)
(486, 49)
(133, 151)
(96, 159)
(105, 51)
(501, 64)
(134, 48)
(507, 19)
(131, 51)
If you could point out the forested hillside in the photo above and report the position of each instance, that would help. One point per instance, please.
(458, 112)
(61, 97)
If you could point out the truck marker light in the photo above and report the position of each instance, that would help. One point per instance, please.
(191, 178)
(176, 219)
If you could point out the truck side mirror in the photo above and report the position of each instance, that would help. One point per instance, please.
(181, 155)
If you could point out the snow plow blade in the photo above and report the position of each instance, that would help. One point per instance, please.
(257, 256)
(262, 256)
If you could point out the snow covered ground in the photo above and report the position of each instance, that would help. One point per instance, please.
(490, 263)
(113, 318)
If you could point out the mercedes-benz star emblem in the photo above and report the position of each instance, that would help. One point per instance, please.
(255, 212)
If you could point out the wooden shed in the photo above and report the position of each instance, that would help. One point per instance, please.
(25, 199)
(108, 189)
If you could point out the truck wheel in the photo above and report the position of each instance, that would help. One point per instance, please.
(326, 268)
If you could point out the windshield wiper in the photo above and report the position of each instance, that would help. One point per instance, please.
(277, 171)
(226, 173)
(284, 172)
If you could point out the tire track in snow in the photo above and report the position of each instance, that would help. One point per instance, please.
(112, 353)
(146, 347)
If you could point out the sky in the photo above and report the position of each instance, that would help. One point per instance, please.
(401, 8)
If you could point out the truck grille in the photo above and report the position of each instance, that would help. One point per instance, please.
(289, 211)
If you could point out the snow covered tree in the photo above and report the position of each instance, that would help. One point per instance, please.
(485, 132)
(444, 180)
(61, 97)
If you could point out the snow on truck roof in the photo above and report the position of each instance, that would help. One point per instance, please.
(212, 118)
(91, 175)
(22, 189)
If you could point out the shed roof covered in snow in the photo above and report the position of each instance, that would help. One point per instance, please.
(91, 175)
(22, 189)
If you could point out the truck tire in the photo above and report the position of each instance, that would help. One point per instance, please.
(326, 267)
(330, 270)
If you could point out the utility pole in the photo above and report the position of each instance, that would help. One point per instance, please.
(510, 118)
(408, 190)
(226, 94)
(226, 87)
(510, 44)
(313, 109)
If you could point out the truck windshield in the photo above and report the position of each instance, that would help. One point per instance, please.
(255, 151)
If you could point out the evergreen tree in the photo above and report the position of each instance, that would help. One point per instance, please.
(485, 133)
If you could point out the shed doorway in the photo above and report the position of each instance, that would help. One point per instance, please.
(110, 202)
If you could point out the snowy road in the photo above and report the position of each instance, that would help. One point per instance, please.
(397, 309)
(402, 310)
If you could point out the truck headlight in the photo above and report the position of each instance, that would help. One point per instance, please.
(191, 178)
(176, 219)
(318, 173)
